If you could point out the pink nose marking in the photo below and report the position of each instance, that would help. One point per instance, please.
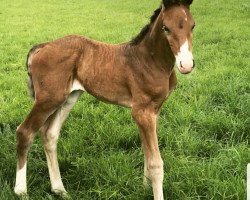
(186, 68)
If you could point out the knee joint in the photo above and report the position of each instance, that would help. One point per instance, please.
(155, 169)
(155, 164)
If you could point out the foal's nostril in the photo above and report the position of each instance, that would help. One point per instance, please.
(193, 64)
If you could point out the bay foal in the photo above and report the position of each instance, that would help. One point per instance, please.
(138, 74)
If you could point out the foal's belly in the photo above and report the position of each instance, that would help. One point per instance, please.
(111, 97)
(110, 93)
(105, 90)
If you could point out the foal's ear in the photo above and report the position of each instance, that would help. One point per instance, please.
(167, 3)
(189, 2)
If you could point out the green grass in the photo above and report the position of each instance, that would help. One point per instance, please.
(203, 128)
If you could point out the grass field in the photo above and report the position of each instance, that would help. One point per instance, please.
(204, 127)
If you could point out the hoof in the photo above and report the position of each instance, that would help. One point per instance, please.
(19, 191)
(62, 193)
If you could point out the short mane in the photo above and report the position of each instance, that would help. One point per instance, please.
(136, 40)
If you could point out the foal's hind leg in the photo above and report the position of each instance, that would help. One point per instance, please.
(25, 133)
(50, 134)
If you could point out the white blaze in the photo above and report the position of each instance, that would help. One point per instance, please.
(184, 58)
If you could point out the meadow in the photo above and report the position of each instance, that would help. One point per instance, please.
(203, 129)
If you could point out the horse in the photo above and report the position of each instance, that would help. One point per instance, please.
(138, 74)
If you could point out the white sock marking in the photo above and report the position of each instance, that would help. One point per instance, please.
(21, 185)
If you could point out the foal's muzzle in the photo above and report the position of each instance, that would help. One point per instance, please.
(186, 67)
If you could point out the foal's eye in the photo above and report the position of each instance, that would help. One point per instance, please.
(166, 29)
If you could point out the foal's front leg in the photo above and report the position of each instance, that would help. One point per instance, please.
(153, 169)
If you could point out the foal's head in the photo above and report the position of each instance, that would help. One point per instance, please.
(177, 25)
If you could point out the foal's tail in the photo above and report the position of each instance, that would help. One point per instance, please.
(32, 51)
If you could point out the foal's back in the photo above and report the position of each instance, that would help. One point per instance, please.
(99, 68)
